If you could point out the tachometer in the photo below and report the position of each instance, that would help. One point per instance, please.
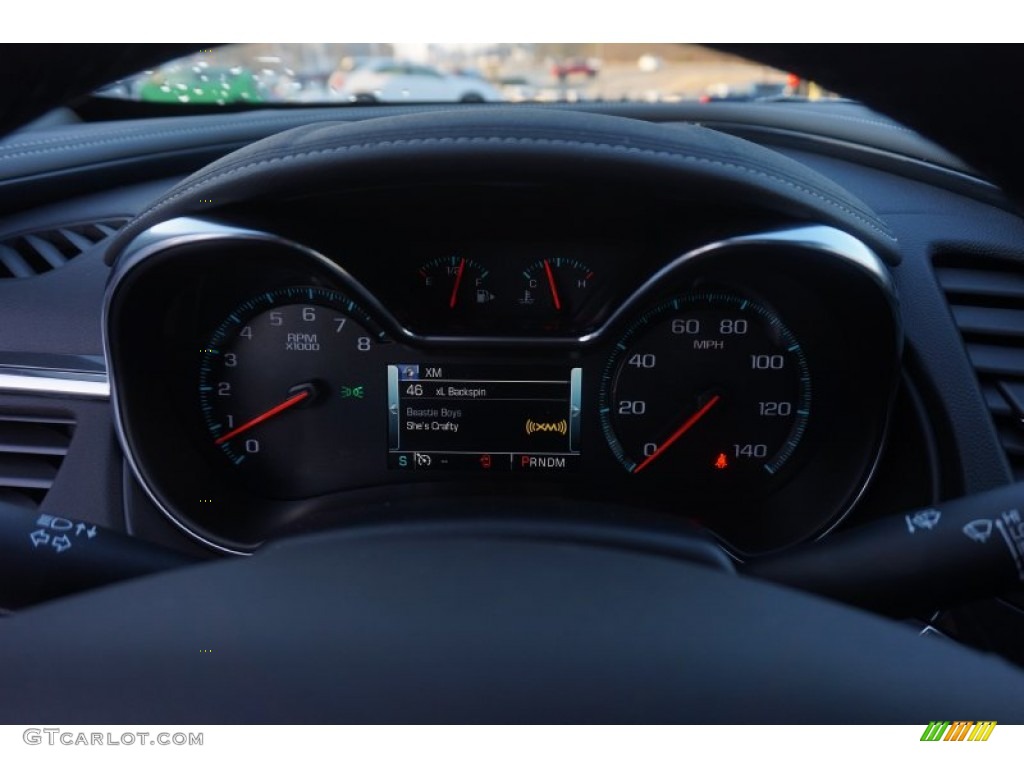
(708, 387)
(288, 385)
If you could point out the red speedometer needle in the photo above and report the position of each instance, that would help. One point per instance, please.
(678, 433)
(293, 400)
(551, 282)
(458, 282)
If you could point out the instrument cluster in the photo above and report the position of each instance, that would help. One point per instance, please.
(265, 386)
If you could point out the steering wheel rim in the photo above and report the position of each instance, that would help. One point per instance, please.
(517, 622)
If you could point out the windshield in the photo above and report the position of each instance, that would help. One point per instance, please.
(366, 73)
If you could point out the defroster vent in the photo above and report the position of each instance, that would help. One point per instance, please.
(35, 253)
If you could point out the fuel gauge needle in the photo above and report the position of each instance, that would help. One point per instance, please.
(293, 400)
(551, 283)
(686, 426)
(458, 282)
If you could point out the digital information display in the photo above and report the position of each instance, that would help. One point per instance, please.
(499, 418)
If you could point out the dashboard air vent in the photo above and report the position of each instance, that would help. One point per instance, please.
(986, 297)
(31, 451)
(35, 253)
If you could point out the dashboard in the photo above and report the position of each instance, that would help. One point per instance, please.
(459, 343)
(479, 414)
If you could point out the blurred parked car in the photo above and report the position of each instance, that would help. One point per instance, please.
(588, 67)
(203, 85)
(518, 88)
(746, 92)
(390, 80)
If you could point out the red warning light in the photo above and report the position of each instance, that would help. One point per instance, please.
(721, 462)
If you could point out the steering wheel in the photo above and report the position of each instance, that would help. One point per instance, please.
(554, 616)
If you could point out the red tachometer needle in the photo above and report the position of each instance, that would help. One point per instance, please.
(458, 282)
(678, 433)
(551, 282)
(293, 400)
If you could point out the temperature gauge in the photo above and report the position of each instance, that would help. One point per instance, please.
(555, 288)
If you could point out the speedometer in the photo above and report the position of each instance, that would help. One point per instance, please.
(708, 387)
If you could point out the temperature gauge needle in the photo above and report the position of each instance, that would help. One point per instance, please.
(551, 282)
(293, 400)
(686, 426)
(458, 282)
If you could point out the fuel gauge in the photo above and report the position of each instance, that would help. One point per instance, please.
(453, 285)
